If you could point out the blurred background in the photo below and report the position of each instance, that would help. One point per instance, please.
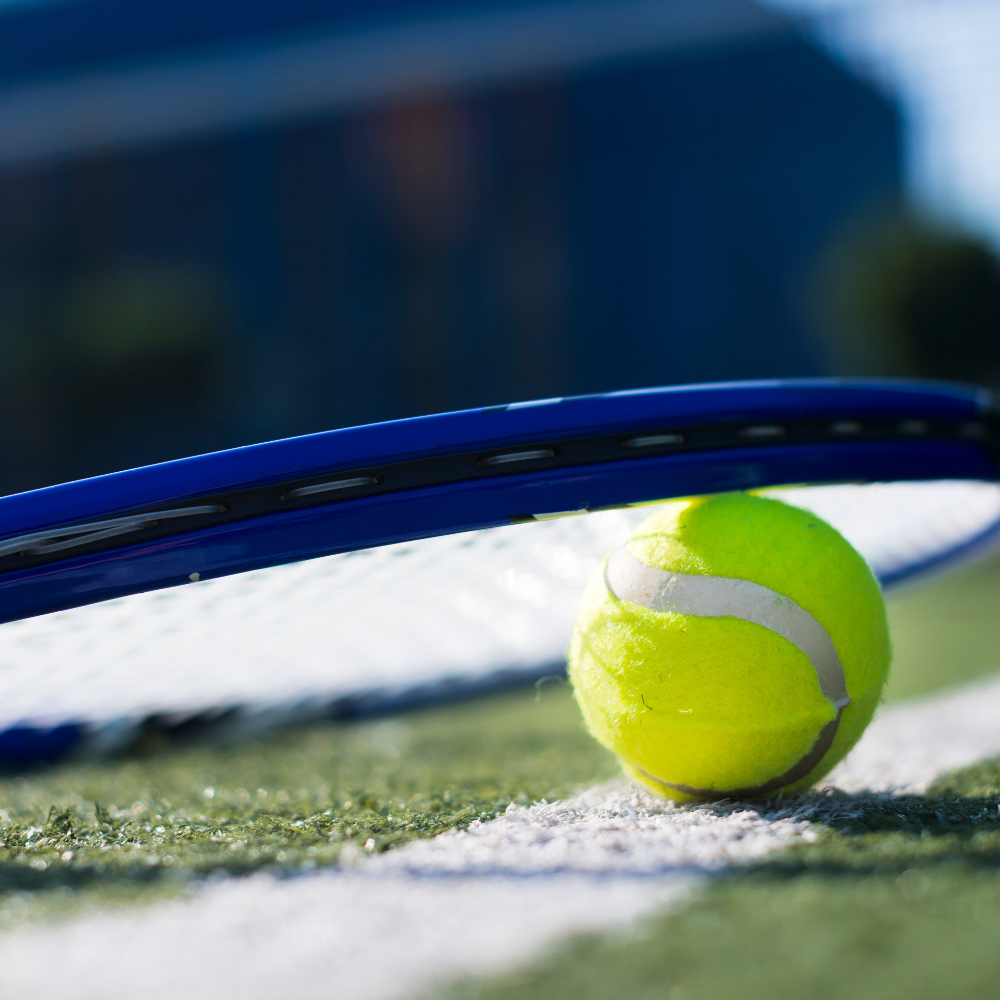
(226, 222)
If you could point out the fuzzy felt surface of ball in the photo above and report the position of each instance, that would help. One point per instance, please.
(736, 647)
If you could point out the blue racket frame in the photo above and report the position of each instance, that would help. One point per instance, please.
(494, 465)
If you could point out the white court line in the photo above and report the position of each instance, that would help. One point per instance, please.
(910, 743)
(468, 903)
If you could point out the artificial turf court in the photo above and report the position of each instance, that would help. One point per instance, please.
(897, 897)
(292, 801)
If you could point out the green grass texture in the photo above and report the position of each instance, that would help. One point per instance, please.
(113, 832)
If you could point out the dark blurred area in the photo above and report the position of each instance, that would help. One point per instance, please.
(901, 295)
(673, 199)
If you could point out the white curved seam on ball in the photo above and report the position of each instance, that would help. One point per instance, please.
(720, 597)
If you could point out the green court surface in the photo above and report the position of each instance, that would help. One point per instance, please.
(158, 823)
(946, 631)
(905, 897)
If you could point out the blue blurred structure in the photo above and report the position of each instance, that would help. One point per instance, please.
(222, 222)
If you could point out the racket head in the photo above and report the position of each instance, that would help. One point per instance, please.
(344, 490)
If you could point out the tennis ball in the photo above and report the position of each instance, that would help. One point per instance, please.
(734, 647)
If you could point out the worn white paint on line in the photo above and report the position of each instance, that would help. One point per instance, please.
(612, 830)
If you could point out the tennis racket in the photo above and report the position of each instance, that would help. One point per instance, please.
(436, 568)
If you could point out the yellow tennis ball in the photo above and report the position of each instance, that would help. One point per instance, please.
(734, 647)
